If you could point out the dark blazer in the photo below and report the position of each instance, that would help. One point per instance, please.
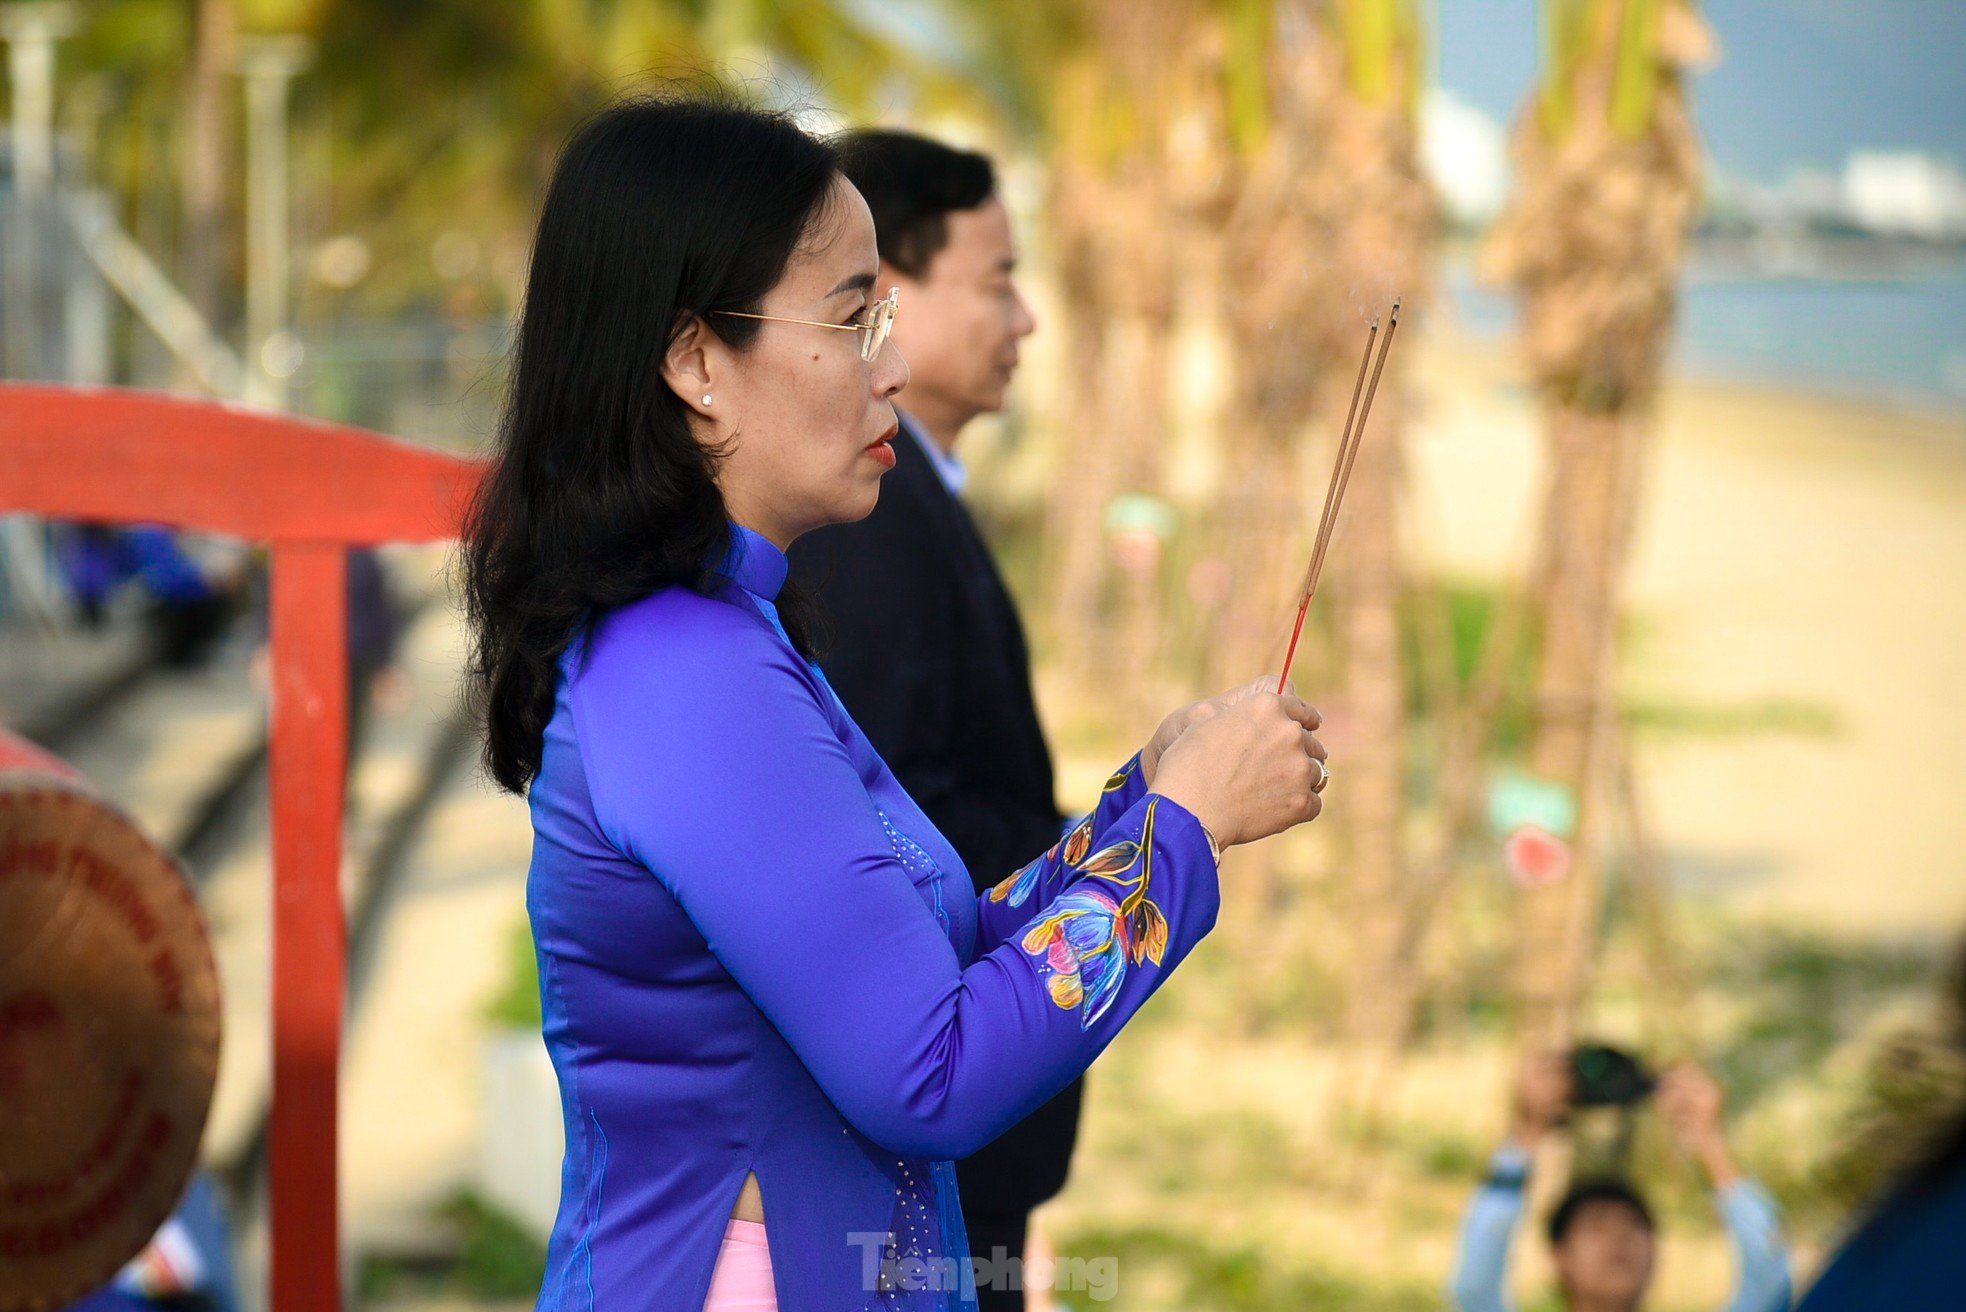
(928, 654)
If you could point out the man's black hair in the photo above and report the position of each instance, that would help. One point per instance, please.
(1586, 1192)
(911, 183)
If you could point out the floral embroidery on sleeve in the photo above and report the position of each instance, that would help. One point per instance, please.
(1072, 848)
(1083, 944)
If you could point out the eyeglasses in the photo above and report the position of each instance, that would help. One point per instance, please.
(877, 322)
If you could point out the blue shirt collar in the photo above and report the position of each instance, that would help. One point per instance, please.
(754, 563)
(947, 467)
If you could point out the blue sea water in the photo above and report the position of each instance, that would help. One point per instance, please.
(1900, 340)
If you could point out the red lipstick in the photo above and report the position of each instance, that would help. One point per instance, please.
(879, 448)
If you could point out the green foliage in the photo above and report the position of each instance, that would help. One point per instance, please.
(1581, 47)
(1760, 715)
(1381, 44)
(387, 1277)
(1802, 993)
(1565, 34)
(516, 1004)
(1014, 53)
(416, 120)
(1444, 1156)
(1635, 85)
(1466, 612)
(499, 1257)
(496, 1258)
(1245, 80)
(1206, 1276)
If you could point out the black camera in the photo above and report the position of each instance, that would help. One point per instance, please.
(1603, 1076)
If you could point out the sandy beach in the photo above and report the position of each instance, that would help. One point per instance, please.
(1801, 560)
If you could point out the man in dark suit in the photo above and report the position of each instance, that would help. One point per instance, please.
(928, 653)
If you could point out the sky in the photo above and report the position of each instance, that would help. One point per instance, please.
(1800, 83)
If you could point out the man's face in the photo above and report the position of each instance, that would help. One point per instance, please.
(1605, 1259)
(961, 321)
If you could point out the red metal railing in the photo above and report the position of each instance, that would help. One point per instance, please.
(310, 491)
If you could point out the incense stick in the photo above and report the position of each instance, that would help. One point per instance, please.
(1330, 492)
(1341, 466)
(1330, 527)
(1341, 476)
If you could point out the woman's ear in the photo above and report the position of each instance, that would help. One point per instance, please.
(688, 369)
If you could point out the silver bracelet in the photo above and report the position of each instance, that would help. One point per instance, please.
(1214, 848)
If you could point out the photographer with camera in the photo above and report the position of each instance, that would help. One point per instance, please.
(1602, 1235)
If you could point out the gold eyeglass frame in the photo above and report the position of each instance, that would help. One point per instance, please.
(877, 328)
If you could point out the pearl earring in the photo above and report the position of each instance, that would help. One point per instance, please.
(706, 398)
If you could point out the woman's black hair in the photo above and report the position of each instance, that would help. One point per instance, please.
(660, 208)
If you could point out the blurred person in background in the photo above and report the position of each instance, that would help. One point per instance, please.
(1603, 1239)
(927, 650)
(190, 598)
(186, 1266)
(376, 621)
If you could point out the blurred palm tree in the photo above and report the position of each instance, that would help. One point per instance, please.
(1327, 220)
(1383, 243)
(450, 110)
(1282, 278)
(1103, 90)
(1607, 179)
(416, 119)
(210, 144)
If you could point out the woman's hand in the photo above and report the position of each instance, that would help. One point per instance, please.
(1181, 717)
(1247, 768)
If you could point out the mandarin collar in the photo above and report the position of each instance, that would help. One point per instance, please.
(754, 563)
